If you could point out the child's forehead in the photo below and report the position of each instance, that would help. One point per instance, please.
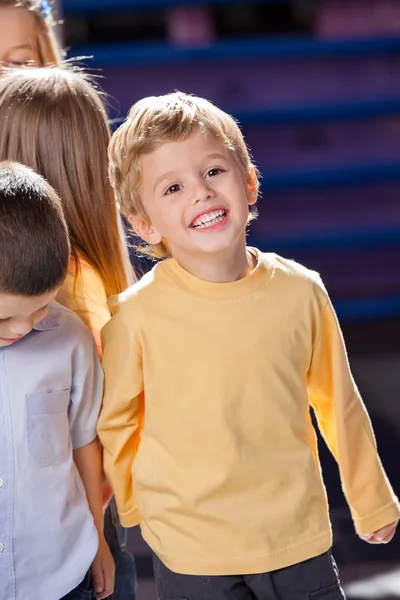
(17, 30)
(198, 145)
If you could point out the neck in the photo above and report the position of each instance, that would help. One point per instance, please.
(219, 268)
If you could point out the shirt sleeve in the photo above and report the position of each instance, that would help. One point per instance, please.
(86, 396)
(121, 416)
(346, 428)
(86, 297)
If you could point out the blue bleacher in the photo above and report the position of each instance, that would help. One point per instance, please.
(90, 6)
(271, 48)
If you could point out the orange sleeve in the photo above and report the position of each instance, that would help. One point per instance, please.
(87, 298)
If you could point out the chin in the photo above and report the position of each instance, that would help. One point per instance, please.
(215, 249)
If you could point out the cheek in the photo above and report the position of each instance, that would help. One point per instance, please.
(166, 218)
(3, 330)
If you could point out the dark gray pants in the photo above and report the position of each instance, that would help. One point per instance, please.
(314, 579)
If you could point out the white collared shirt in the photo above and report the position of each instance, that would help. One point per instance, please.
(51, 385)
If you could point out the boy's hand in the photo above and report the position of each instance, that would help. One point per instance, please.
(103, 570)
(382, 536)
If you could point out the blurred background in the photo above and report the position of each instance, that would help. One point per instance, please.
(316, 87)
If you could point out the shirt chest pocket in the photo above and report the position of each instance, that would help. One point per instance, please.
(48, 427)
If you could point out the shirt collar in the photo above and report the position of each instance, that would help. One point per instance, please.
(46, 324)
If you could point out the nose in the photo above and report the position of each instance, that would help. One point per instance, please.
(21, 326)
(202, 192)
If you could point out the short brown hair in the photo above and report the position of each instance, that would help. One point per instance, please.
(34, 246)
(49, 50)
(157, 120)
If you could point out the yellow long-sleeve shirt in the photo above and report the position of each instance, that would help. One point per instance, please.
(206, 419)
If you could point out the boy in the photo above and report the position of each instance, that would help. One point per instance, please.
(51, 384)
(211, 364)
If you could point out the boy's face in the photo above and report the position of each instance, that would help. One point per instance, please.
(19, 314)
(195, 196)
(18, 37)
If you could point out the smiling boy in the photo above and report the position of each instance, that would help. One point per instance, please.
(211, 364)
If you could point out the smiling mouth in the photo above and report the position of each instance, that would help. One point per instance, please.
(209, 219)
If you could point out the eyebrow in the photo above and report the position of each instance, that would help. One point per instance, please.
(22, 46)
(216, 155)
(162, 177)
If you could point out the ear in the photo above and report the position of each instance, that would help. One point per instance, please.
(252, 187)
(144, 230)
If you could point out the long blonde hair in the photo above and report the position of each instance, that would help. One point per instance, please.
(49, 51)
(53, 120)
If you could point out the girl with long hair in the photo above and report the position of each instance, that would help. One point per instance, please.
(53, 120)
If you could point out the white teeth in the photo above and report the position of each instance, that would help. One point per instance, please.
(209, 219)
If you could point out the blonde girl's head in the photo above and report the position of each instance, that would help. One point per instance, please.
(27, 33)
(53, 120)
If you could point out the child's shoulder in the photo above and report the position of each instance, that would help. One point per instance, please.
(291, 268)
(58, 350)
(140, 293)
(67, 326)
(295, 276)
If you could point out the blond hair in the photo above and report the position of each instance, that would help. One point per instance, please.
(53, 120)
(155, 121)
(49, 51)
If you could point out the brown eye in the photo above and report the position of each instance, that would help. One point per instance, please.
(213, 172)
(174, 188)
